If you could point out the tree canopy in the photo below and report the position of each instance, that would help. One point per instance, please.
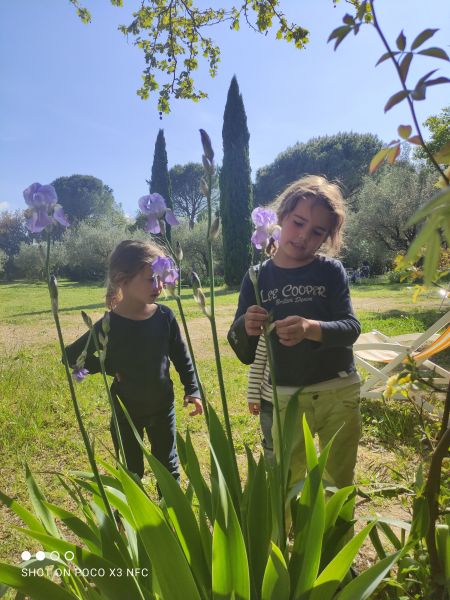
(344, 156)
(439, 128)
(377, 230)
(236, 200)
(12, 233)
(188, 200)
(85, 196)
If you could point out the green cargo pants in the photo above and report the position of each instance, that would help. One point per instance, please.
(326, 411)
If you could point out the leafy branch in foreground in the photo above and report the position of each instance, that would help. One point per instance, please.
(172, 35)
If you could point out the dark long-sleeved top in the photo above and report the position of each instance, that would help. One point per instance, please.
(140, 352)
(317, 291)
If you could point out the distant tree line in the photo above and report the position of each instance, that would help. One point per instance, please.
(378, 206)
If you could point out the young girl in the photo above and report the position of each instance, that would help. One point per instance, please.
(308, 297)
(143, 338)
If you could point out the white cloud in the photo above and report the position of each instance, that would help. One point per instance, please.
(3, 205)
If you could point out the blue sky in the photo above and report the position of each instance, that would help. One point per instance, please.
(68, 100)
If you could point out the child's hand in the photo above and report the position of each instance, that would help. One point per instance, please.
(253, 408)
(255, 318)
(198, 410)
(292, 330)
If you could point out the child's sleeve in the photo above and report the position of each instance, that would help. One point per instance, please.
(344, 328)
(73, 351)
(256, 373)
(179, 355)
(243, 345)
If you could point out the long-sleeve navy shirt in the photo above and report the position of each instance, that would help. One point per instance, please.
(317, 291)
(138, 356)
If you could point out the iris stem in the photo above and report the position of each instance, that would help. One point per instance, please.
(73, 396)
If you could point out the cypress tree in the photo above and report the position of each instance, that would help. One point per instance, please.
(236, 200)
(160, 180)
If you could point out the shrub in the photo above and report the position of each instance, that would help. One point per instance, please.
(29, 263)
(89, 245)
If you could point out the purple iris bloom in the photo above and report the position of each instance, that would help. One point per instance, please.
(154, 206)
(165, 269)
(265, 220)
(79, 374)
(45, 210)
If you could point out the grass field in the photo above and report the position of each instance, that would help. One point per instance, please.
(37, 422)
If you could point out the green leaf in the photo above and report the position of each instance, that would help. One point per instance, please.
(365, 584)
(230, 572)
(404, 131)
(443, 154)
(79, 527)
(339, 34)
(114, 588)
(389, 533)
(432, 256)
(378, 160)
(221, 447)
(183, 521)
(334, 505)
(290, 428)
(160, 543)
(404, 65)
(437, 81)
(395, 99)
(401, 41)
(259, 525)
(25, 515)
(194, 473)
(386, 56)
(435, 52)
(276, 584)
(38, 501)
(310, 523)
(38, 588)
(423, 36)
(439, 201)
(326, 584)
(376, 543)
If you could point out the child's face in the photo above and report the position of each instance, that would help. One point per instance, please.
(143, 288)
(303, 231)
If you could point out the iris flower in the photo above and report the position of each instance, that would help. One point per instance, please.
(154, 207)
(265, 221)
(164, 267)
(79, 374)
(45, 210)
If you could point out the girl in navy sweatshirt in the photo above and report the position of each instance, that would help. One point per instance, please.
(307, 296)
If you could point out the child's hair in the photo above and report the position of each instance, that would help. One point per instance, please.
(125, 261)
(321, 191)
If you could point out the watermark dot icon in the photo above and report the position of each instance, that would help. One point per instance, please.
(40, 555)
(69, 555)
(25, 555)
(54, 555)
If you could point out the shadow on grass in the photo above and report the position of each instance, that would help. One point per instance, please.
(61, 310)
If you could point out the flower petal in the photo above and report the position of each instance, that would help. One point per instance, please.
(152, 225)
(171, 218)
(259, 238)
(39, 220)
(144, 202)
(58, 215)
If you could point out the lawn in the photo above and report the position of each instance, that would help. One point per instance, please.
(37, 422)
